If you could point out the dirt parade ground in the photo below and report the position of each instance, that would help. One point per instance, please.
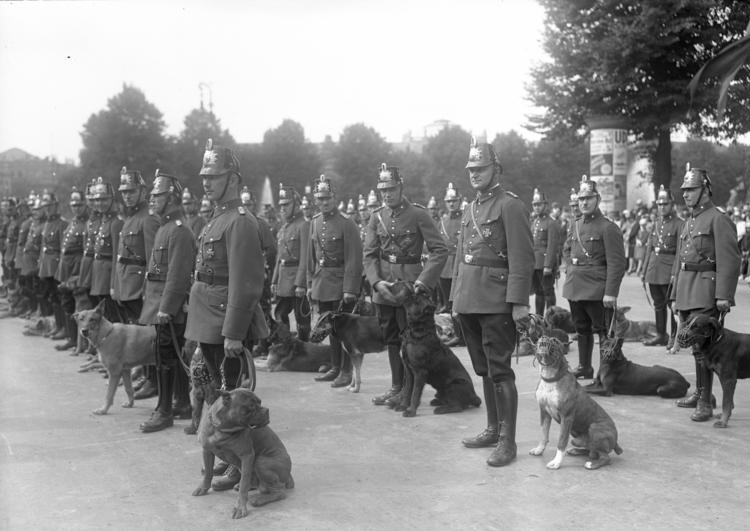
(361, 467)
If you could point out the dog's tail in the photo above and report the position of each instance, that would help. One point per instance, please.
(618, 450)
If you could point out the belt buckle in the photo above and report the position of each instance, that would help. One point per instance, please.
(468, 258)
(657, 250)
(392, 258)
(574, 261)
(282, 261)
(682, 266)
(322, 262)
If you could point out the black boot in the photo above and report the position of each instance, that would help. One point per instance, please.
(506, 397)
(489, 436)
(181, 408)
(303, 332)
(661, 338)
(150, 385)
(539, 303)
(585, 348)
(162, 416)
(345, 374)
(335, 369)
(397, 377)
(703, 409)
(692, 400)
(72, 335)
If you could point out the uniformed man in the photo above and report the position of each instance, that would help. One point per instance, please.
(433, 209)
(704, 275)
(223, 309)
(71, 256)
(25, 219)
(167, 285)
(334, 270)
(396, 235)
(49, 261)
(4, 222)
(491, 285)
(11, 241)
(658, 263)
(307, 207)
(31, 252)
(567, 227)
(450, 228)
(190, 206)
(83, 286)
(105, 245)
(289, 282)
(594, 274)
(546, 234)
(363, 216)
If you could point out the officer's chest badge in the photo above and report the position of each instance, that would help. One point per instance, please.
(209, 252)
(487, 232)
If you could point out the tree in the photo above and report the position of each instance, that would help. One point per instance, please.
(287, 158)
(445, 157)
(634, 60)
(360, 152)
(129, 132)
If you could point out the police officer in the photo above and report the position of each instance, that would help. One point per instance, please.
(661, 247)
(223, 308)
(31, 252)
(450, 228)
(167, 285)
(546, 234)
(594, 274)
(307, 208)
(704, 275)
(4, 222)
(334, 270)
(83, 286)
(396, 235)
(491, 285)
(71, 256)
(49, 261)
(432, 208)
(190, 207)
(107, 241)
(11, 241)
(25, 219)
(289, 282)
(363, 216)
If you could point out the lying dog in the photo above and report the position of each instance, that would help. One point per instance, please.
(359, 335)
(289, 353)
(39, 326)
(120, 346)
(561, 397)
(725, 352)
(557, 317)
(632, 331)
(428, 361)
(235, 429)
(620, 376)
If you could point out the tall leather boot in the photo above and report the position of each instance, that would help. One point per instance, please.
(181, 408)
(692, 400)
(703, 410)
(162, 416)
(397, 376)
(345, 375)
(489, 436)
(672, 331)
(539, 303)
(150, 385)
(303, 332)
(585, 348)
(661, 338)
(72, 335)
(60, 321)
(336, 354)
(506, 397)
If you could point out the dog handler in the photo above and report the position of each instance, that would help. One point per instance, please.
(450, 228)
(491, 285)
(223, 309)
(705, 273)
(165, 294)
(545, 232)
(396, 235)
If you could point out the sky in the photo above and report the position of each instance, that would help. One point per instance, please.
(396, 65)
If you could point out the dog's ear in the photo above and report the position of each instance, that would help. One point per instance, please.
(226, 398)
(100, 307)
(625, 309)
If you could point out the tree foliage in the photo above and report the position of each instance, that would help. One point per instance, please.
(287, 157)
(360, 152)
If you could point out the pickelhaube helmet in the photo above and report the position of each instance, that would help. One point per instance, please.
(130, 179)
(664, 196)
(48, 198)
(361, 203)
(76, 197)
(587, 188)
(101, 189)
(389, 177)
(218, 160)
(37, 205)
(187, 196)
(323, 187)
(287, 194)
(305, 202)
(695, 178)
(450, 193)
(205, 205)
(350, 207)
(31, 199)
(246, 196)
(481, 154)
(573, 198)
(89, 190)
(166, 184)
(432, 203)
(538, 197)
(341, 206)
(372, 199)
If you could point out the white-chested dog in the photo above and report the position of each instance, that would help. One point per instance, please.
(561, 397)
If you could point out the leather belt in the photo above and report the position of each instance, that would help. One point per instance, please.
(160, 277)
(580, 263)
(131, 261)
(68, 252)
(89, 254)
(285, 262)
(211, 278)
(659, 252)
(472, 260)
(99, 256)
(687, 266)
(396, 259)
(47, 250)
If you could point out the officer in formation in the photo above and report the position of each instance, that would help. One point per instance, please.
(84, 299)
(11, 206)
(49, 261)
(190, 207)
(491, 285)
(658, 264)
(546, 235)
(396, 235)
(289, 282)
(167, 285)
(334, 270)
(704, 274)
(105, 246)
(31, 251)
(432, 208)
(25, 219)
(450, 228)
(206, 209)
(595, 271)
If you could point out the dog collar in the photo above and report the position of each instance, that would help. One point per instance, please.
(559, 376)
(101, 339)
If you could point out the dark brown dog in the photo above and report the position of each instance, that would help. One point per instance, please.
(725, 352)
(236, 430)
(618, 375)
(289, 353)
(428, 361)
(558, 317)
(561, 397)
(359, 335)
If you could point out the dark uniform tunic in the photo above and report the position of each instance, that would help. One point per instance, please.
(290, 271)
(23, 234)
(89, 246)
(450, 229)
(104, 254)
(545, 232)
(135, 242)
(11, 242)
(334, 258)
(661, 248)
(52, 237)
(71, 250)
(195, 223)
(32, 248)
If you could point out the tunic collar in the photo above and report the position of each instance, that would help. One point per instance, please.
(483, 195)
(700, 209)
(588, 218)
(174, 213)
(220, 208)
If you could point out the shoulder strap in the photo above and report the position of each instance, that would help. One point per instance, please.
(476, 228)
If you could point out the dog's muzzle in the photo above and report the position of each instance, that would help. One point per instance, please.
(549, 352)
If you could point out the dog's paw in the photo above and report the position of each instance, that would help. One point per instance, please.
(128, 404)
(100, 411)
(721, 424)
(200, 491)
(537, 450)
(409, 412)
(557, 461)
(239, 512)
(353, 389)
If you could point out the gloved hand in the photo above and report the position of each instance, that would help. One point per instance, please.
(163, 318)
(350, 298)
(609, 301)
(547, 271)
(521, 316)
(233, 348)
(299, 292)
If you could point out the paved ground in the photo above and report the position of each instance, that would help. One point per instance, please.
(357, 466)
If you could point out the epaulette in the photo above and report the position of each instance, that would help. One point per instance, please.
(317, 215)
(419, 206)
(381, 207)
(609, 219)
(721, 209)
(178, 222)
(508, 192)
(242, 210)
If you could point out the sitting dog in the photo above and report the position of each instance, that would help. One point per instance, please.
(236, 430)
(120, 347)
(557, 317)
(725, 352)
(618, 375)
(427, 360)
(359, 335)
(561, 397)
(632, 331)
(289, 353)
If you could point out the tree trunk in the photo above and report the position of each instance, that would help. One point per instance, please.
(663, 161)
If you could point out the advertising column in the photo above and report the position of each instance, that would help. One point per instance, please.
(609, 161)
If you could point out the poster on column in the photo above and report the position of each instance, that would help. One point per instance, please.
(608, 166)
